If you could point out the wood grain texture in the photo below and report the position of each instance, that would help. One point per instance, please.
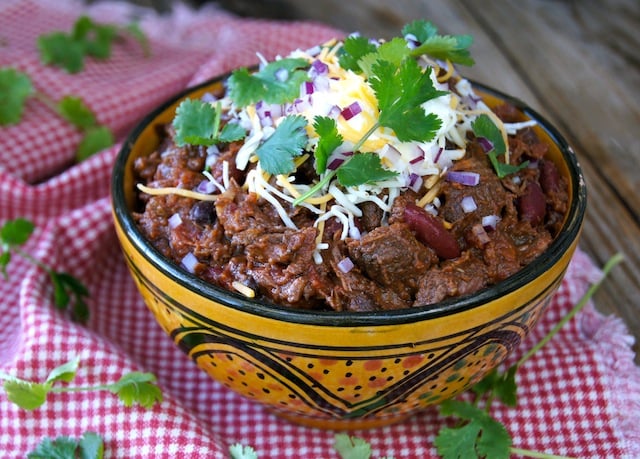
(575, 62)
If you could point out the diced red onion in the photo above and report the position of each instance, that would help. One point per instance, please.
(174, 221)
(480, 233)
(206, 187)
(307, 88)
(345, 265)
(392, 154)
(533, 164)
(437, 157)
(335, 163)
(464, 178)
(417, 159)
(334, 112)
(412, 40)
(318, 68)
(490, 222)
(351, 111)
(189, 262)
(485, 144)
(321, 83)
(208, 97)
(415, 182)
(281, 74)
(468, 204)
(347, 153)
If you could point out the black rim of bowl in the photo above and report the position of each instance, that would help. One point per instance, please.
(569, 232)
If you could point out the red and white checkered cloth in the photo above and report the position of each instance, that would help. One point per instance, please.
(579, 396)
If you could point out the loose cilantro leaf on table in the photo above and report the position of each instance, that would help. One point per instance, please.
(351, 447)
(15, 89)
(277, 82)
(87, 38)
(67, 290)
(136, 387)
(89, 446)
(239, 451)
(132, 388)
(480, 437)
(198, 123)
(454, 48)
(288, 141)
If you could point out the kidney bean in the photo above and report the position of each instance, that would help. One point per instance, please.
(532, 204)
(430, 231)
(203, 212)
(549, 176)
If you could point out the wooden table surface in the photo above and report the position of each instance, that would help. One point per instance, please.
(575, 62)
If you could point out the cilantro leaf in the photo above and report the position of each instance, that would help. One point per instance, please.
(194, 123)
(89, 446)
(329, 139)
(65, 372)
(277, 82)
(25, 394)
(198, 122)
(484, 127)
(354, 48)
(363, 168)
(239, 451)
(231, 132)
(61, 50)
(401, 92)
(394, 51)
(87, 38)
(481, 437)
(95, 139)
(351, 447)
(502, 385)
(95, 38)
(444, 47)
(15, 88)
(16, 232)
(74, 110)
(60, 448)
(287, 141)
(137, 387)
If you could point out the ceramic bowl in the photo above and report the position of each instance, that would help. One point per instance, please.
(342, 370)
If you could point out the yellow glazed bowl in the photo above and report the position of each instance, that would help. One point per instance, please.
(342, 370)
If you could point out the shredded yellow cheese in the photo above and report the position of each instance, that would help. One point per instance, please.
(241, 288)
(177, 191)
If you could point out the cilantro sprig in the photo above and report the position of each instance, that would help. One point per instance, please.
(16, 88)
(478, 435)
(67, 289)
(86, 38)
(89, 446)
(483, 127)
(198, 123)
(454, 48)
(133, 388)
(277, 82)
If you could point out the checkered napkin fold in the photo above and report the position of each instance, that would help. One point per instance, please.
(579, 395)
